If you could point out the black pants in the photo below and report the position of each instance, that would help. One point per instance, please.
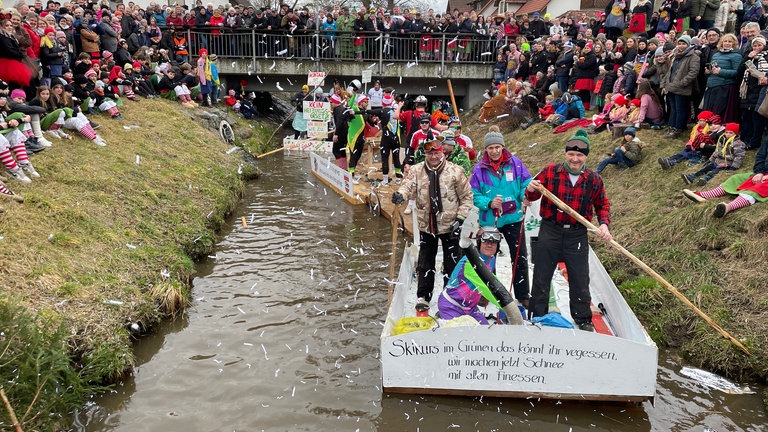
(557, 243)
(339, 148)
(390, 145)
(511, 234)
(425, 266)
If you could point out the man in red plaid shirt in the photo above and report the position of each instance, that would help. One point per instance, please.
(563, 238)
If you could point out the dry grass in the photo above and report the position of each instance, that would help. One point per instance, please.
(97, 230)
(717, 263)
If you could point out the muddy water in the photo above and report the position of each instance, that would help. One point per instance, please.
(283, 336)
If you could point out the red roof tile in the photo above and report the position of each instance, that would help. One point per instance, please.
(532, 6)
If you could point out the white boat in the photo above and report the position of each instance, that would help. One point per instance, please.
(618, 362)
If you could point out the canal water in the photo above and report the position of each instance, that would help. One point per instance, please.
(283, 335)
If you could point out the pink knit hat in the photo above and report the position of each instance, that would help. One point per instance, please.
(18, 93)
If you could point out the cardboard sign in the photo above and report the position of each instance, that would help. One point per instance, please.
(317, 129)
(317, 110)
(367, 73)
(315, 79)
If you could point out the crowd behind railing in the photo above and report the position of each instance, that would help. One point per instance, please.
(632, 66)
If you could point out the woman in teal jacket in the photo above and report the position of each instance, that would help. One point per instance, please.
(721, 94)
(498, 183)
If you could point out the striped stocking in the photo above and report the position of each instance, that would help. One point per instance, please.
(5, 191)
(21, 154)
(714, 193)
(738, 203)
(129, 92)
(88, 132)
(7, 159)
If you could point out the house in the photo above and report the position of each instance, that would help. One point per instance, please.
(555, 8)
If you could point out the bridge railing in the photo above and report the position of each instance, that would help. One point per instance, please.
(347, 46)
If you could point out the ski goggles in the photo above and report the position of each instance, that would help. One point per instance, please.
(433, 146)
(494, 237)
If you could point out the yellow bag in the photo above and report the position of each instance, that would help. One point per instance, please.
(412, 324)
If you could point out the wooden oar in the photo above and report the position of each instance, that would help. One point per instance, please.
(566, 208)
(395, 220)
(453, 100)
(270, 152)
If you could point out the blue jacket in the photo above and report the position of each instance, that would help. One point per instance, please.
(575, 103)
(509, 182)
(729, 63)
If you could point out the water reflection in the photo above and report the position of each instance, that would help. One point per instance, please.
(284, 332)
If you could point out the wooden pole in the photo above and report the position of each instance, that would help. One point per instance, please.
(590, 226)
(278, 128)
(453, 100)
(395, 222)
(11, 413)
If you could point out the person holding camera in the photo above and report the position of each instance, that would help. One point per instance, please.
(443, 200)
(722, 79)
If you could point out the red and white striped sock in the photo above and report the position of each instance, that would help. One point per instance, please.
(738, 203)
(129, 92)
(5, 191)
(714, 193)
(21, 154)
(88, 132)
(28, 133)
(55, 126)
(7, 159)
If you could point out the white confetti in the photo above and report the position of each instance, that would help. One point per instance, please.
(372, 64)
(232, 150)
(259, 78)
(278, 86)
(283, 52)
(128, 245)
(487, 53)
(265, 351)
(138, 159)
(502, 115)
(165, 273)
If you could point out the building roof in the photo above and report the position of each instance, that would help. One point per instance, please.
(532, 6)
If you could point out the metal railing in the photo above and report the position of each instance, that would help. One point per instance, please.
(347, 46)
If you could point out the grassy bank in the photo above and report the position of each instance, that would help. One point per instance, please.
(716, 263)
(103, 248)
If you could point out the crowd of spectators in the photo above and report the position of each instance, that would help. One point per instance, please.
(625, 66)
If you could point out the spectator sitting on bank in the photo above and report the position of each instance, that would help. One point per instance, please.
(569, 108)
(181, 88)
(231, 100)
(749, 187)
(140, 84)
(691, 150)
(651, 110)
(626, 155)
(105, 101)
(619, 110)
(709, 141)
(633, 116)
(729, 154)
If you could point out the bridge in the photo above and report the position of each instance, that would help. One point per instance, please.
(280, 61)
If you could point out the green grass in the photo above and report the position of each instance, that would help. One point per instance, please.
(97, 229)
